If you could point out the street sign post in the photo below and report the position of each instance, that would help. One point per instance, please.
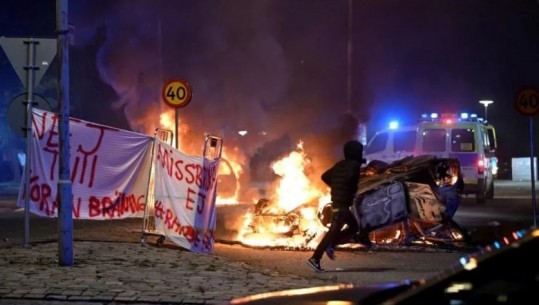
(65, 193)
(23, 54)
(527, 103)
(177, 94)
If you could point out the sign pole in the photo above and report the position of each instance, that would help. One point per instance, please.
(30, 74)
(65, 197)
(532, 167)
(176, 94)
(527, 103)
(31, 47)
(176, 127)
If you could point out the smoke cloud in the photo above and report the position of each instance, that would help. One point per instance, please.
(244, 71)
(280, 67)
(274, 68)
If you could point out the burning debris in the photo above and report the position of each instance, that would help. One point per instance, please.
(270, 226)
(407, 202)
(289, 218)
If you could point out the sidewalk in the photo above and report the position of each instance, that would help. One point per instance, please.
(122, 272)
(112, 267)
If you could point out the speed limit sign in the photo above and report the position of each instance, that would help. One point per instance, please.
(527, 101)
(176, 93)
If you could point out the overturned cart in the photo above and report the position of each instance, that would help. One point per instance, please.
(410, 200)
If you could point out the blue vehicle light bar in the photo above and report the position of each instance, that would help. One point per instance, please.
(450, 117)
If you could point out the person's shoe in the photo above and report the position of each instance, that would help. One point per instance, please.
(330, 252)
(315, 264)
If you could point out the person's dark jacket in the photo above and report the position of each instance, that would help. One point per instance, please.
(343, 177)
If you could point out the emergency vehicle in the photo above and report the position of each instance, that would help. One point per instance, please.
(464, 136)
(392, 144)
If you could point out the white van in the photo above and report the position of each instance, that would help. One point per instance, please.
(464, 137)
(391, 144)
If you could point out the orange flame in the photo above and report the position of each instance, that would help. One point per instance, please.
(289, 219)
(294, 187)
(166, 120)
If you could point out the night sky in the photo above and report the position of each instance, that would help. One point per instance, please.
(281, 66)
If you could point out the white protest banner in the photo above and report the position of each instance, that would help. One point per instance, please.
(185, 191)
(110, 169)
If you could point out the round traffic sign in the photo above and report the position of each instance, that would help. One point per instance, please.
(527, 101)
(16, 112)
(176, 93)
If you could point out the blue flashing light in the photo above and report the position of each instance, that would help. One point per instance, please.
(450, 118)
(393, 125)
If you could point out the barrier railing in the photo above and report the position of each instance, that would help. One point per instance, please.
(213, 147)
(148, 219)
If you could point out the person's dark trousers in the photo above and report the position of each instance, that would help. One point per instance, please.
(335, 234)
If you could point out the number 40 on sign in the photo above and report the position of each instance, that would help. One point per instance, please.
(527, 101)
(176, 93)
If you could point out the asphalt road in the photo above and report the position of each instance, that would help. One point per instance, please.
(509, 211)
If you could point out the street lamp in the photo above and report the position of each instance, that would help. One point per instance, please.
(486, 103)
